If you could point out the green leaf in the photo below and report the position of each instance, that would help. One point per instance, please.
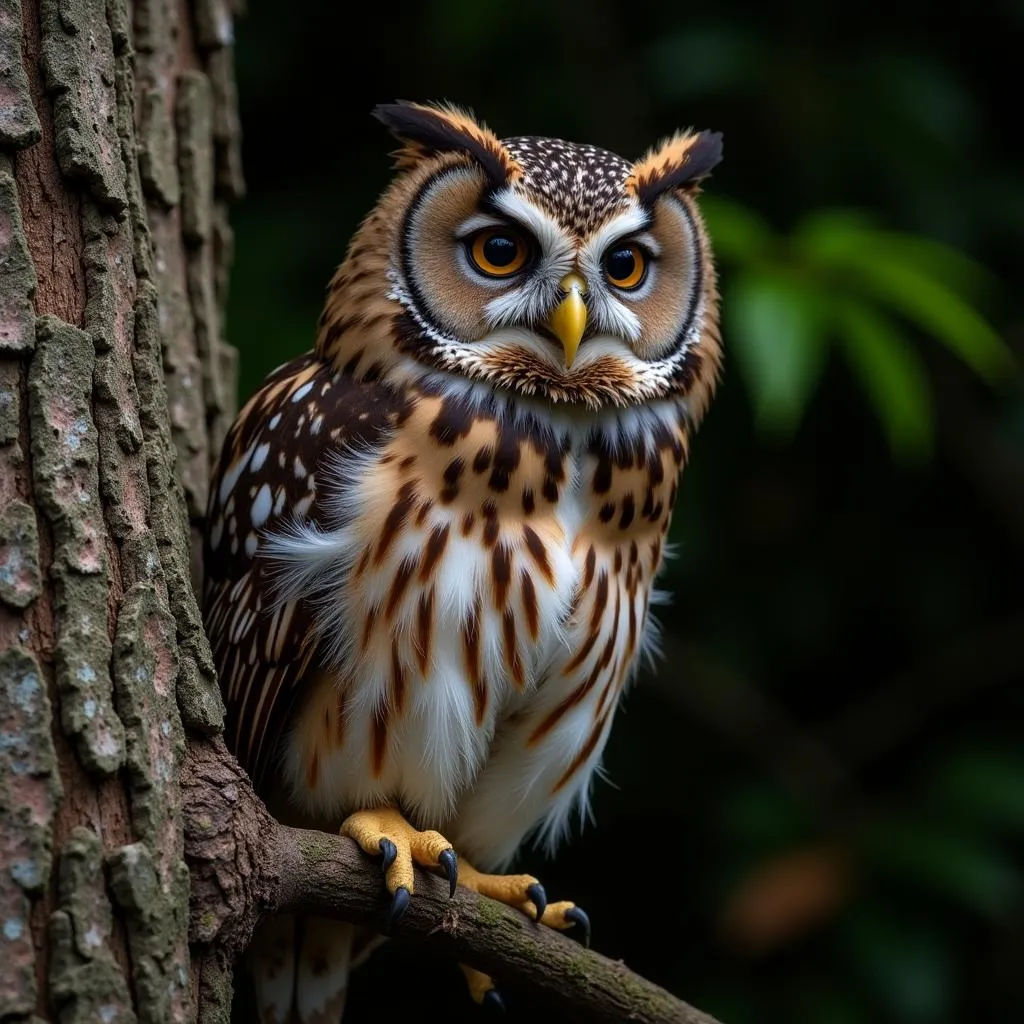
(892, 375)
(942, 262)
(961, 868)
(937, 309)
(775, 328)
(919, 278)
(829, 236)
(850, 238)
(738, 233)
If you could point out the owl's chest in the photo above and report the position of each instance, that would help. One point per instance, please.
(519, 538)
(492, 572)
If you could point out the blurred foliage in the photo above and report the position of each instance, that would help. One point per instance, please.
(838, 277)
(816, 813)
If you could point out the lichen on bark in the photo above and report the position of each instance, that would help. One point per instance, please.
(160, 968)
(86, 982)
(20, 582)
(197, 689)
(19, 124)
(17, 274)
(65, 469)
(78, 61)
(196, 172)
(150, 878)
(29, 791)
(157, 164)
(199, 698)
(158, 26)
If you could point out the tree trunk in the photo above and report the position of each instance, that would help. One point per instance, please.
(135, 858)
(118, 156)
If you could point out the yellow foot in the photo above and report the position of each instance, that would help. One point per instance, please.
(481, 988)
(525, 893)
(386, 832)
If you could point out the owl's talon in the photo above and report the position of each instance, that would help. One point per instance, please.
(449, 864)
(399, 905)
(384, 832)
(482, 990)
(525, 893)
(579, 917)
(492, 1001)
(539, 898)
(390, 852)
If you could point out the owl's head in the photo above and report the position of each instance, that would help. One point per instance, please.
(550, 269)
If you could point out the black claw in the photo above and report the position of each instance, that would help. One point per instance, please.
(399, 905)
(578, 916)
(390, 852)
(449, 864)
(538, 897)
(492, 1001)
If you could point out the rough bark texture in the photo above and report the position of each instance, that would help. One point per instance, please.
(117, 159)
(119, 155)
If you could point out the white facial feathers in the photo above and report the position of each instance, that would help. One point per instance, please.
(495, 326)
(531, 300)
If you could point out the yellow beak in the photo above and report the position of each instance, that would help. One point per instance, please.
(569, 318)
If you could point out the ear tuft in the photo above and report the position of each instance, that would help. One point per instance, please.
(427, 129)
(683, 161)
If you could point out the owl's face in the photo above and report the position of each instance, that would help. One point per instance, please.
(546, 268)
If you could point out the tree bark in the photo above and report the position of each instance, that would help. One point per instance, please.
(118, 156)
(135, 859)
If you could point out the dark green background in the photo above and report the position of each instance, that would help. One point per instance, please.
(815, 809)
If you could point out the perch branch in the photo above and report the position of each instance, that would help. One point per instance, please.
(246, 865)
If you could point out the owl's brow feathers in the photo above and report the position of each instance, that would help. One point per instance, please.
(682, 161)
(427, 130)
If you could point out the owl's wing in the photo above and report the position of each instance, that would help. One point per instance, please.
(265, 481)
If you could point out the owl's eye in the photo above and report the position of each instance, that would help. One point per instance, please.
(498, 252)
(625, 266)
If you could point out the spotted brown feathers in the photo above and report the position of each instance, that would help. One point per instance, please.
(267, 476)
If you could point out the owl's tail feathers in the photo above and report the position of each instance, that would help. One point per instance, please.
(300, 966)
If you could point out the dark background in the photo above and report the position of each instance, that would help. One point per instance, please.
(815, 807)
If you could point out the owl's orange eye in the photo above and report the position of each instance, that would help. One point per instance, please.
(625, 266)
(498, 252)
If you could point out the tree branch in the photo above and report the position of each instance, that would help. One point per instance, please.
(246, 865)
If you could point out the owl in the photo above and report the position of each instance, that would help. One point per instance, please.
(432, 541)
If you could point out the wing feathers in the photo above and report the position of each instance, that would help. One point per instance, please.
(272, 532)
